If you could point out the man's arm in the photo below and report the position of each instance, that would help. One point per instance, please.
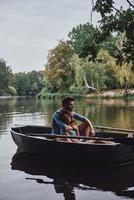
(63, 127)
(92, 131)
(84, 119)
(61, 124)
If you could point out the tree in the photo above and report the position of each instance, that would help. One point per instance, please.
(118, 75)
(21, 83)
(96, 75)
(35, 82)
(88, 75)
(58, 73)
(29, 83)
(110, 45)
(6, 77)
(111, 68)
(82, 39)
(114, 20)
(125, 75)
(86, 43)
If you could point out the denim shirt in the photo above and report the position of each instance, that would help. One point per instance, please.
(59, 127)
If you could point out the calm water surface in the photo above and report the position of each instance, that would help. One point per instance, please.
(24, 178)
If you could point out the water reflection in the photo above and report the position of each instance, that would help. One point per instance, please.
(60, 186)
(24, 111)
(67, 177)
(116, 113)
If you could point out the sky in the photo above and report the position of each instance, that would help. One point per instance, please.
(30, 28)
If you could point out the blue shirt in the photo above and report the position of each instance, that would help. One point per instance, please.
(58, 127)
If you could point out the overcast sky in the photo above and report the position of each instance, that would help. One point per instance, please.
(30, 28)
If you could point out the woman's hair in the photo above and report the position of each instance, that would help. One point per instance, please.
(67, 99)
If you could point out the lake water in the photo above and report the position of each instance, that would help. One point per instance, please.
(27, 178)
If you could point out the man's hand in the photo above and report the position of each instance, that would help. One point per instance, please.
(68, 128)
(92, 133)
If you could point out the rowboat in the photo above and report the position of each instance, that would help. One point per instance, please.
(110, 146)
(117, 180)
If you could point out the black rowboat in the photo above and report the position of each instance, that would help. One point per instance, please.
(39, 140)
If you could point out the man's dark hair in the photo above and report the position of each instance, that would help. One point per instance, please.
(66, 100)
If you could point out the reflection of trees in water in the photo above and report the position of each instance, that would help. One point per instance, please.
(7, 106)
(108, 112)
(49, 107)
(111, 112)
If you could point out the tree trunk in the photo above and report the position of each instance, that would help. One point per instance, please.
(89, 87)
(125, 87)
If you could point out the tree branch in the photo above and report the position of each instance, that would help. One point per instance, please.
(89, 87)
(91, 15)
(130, 3)
(117, 10)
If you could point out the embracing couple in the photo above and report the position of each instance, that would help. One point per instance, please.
(64, 122)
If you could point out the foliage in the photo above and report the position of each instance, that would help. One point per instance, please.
(6, 77)
(78, 66)
(126, 76)
(86, 42)
(93, 72)
(29, 83)
(58, 74)
(57, 95)
(96, 75)
(110, 66)
(114, 20)
(21, 83)
(120, 74)
(110, 45)
(82, 40)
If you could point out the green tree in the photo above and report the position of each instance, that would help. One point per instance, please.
(86, 43)
(29, 83)
(21, 83)
(114, 20)
(118, 75)
(82, 39)
(6, 77)
(96, 75)
(110, 45)
(88, 75)
(111, 68)
(58, 73)
(35, 82)
(126, 76)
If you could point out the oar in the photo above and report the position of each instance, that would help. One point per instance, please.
(123, 140)
(114, 129)
(67, 136)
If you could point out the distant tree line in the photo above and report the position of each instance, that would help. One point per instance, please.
(6, 78)
(92, 59)
(22, 83)
(30, 83)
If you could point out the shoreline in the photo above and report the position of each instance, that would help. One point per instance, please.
(112, 94)
(106, 94)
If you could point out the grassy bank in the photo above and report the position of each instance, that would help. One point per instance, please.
(109, 94)
(58, 95)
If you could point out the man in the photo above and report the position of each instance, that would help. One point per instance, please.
(63, 121)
